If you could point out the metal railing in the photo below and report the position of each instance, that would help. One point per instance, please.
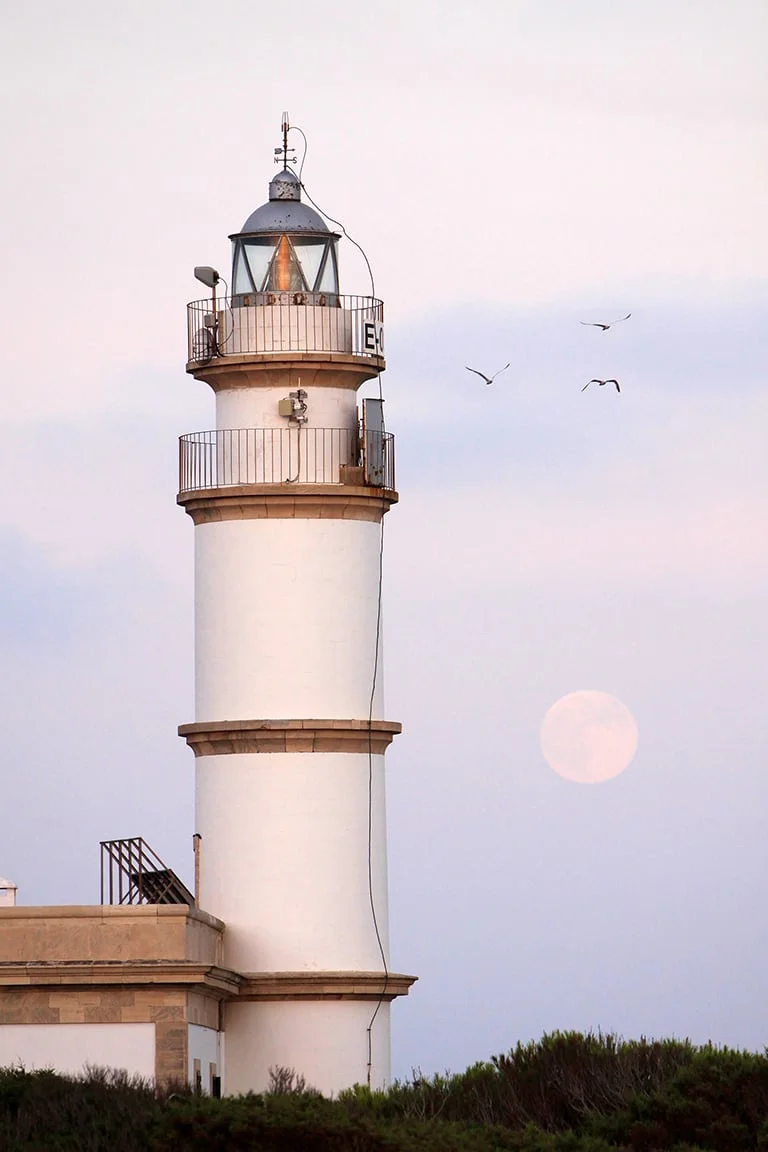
(275, 323)
(131, 873)
(227, 457)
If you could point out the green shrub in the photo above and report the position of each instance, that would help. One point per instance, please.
(567, 1093)
(718, 1101)
(50, 1113)
(554, 1084)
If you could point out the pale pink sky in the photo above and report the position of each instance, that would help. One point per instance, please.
(510, 168)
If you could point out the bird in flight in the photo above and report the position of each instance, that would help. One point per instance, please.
(594, 380)
(488, 379)
(605, 327)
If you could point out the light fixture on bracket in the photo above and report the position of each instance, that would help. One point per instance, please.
(206, 339)
(206, 275)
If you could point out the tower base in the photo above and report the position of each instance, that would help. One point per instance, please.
(325, 1043)
(142, 988)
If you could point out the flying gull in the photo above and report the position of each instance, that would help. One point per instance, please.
(488, 379)
(605, 327)
(594, 380)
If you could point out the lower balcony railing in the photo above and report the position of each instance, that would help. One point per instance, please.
(228, 457)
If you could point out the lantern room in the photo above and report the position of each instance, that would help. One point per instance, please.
(285, 252)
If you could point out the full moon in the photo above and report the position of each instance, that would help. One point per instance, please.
(588, 736)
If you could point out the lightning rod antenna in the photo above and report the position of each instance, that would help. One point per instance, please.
(285, 125)
(281, 154)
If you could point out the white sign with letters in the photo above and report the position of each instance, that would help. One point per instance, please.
(373, 338)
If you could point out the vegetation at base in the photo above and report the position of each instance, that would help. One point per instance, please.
(566, 1093)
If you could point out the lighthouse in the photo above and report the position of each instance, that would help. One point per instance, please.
(288, 496)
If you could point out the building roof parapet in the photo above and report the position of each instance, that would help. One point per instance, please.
(109, 912)
(73, 973)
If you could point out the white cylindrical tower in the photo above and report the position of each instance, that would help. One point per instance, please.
(288, 495)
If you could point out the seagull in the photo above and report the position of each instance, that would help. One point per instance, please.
(488, 379)
(605, 327)
(594, 380)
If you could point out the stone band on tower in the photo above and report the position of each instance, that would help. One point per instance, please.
(287, 495)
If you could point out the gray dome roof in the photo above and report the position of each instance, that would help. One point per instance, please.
(285, 216)
(284, 211)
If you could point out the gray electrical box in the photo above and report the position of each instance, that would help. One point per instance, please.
(373, 442)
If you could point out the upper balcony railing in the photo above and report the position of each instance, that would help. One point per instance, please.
(280, 322)
(228, 457)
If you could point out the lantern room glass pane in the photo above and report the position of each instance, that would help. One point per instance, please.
(241, 282)
(310, 254)
(259, 254)
(329, 280)
(284, 272)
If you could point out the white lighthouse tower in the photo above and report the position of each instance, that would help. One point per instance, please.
(288, 495)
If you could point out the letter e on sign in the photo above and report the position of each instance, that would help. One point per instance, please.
(373, 337)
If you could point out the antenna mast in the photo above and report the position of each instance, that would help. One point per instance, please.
(285, 125)
(281, 154)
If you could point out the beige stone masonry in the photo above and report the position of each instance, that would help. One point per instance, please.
(109, 933)
(157, 964)
(82, 964)
(227, 737)
(74, 973)
(325, 985)
(282, 370)
(344, 501)
(204, 1010)
(92, 1006)
(165, 1008)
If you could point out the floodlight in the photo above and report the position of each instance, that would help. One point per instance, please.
(207, 276)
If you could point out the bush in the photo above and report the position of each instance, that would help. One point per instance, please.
(50, 1113)
(554, 1084)
(567, 1093)
(718, 1101)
